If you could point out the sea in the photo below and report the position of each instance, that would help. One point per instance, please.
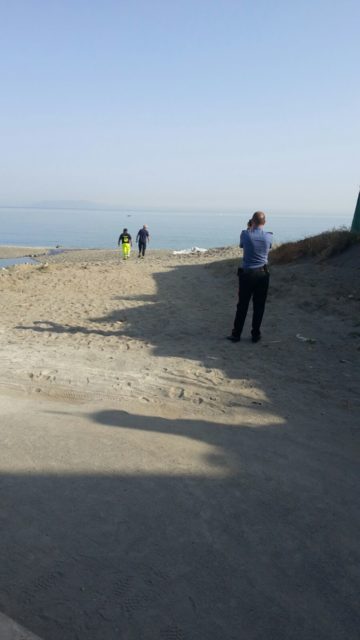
(96, 228)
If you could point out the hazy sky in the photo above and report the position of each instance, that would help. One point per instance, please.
(196, 103)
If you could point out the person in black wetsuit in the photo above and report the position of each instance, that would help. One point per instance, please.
(143, 237)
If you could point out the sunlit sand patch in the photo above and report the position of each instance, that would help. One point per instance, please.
(68, 440)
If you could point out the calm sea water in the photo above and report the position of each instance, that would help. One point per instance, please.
(169, 230)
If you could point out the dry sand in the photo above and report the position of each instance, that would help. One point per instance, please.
(159, 482)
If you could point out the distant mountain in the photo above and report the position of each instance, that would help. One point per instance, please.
(74, 204)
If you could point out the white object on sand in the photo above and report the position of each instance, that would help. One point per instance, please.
(189, 251)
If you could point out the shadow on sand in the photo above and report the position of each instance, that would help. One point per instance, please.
(262, 544)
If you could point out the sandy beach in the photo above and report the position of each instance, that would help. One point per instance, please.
(159, 482)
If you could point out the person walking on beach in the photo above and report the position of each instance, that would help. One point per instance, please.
(126, 242)
(254, 276)
(143, 237)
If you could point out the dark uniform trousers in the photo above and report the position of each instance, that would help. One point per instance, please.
(253, 283)
(142, 247)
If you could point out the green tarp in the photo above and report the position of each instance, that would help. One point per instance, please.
(356, 219)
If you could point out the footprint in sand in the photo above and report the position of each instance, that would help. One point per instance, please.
(172, 632)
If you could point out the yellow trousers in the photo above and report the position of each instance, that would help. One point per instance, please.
(126, 250)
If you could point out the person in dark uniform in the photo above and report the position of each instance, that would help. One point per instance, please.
(126, 242)
(143, 237)
(253, 277)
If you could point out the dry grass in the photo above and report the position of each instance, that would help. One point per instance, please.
(324, 245)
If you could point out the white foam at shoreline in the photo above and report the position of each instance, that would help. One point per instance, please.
(189, 251)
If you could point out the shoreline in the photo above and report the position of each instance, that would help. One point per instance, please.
(64, 254)
(21, 251)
